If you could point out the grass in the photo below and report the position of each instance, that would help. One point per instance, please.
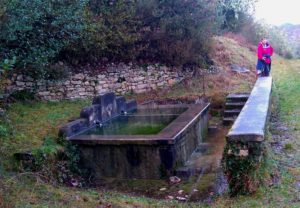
(32, 122)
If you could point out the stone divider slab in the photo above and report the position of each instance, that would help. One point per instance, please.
(251, 122)
(246, 147)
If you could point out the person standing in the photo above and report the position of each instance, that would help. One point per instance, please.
(264, 53)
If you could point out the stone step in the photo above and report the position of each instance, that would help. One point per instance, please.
(231, 113)
(237, 97)
(234, 105)
(228, 121)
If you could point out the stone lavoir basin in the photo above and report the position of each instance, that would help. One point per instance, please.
(118, 139)
(141, 121)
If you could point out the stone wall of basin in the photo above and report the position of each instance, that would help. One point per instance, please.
(144, 157)
(118, 78)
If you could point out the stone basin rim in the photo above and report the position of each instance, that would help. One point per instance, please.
(166, 136)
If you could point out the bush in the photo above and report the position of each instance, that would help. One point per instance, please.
(6, 66)
(288, 55)
(177, 32)
(3, 131)
(40, 33)
(22, 95)
(172, 32)
(35, 31)
(110, 33)
(236, 13)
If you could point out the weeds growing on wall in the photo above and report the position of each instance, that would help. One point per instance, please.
(246, 173)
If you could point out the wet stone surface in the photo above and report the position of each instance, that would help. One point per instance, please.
(204, 181)
(160, 138)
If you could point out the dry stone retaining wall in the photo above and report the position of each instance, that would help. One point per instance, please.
(120, 79)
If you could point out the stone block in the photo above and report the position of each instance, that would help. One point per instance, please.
(18, 83)
(131, 105)
(20, 77)
(30, 84)
(76, 82)
(92, 114)
(160, 84)
(140, 90)
(101, 76)
(108, 104)
(102, 82)
(78, 76)
(73, 128)
(142, 86)
(45, 93)
(121, 104)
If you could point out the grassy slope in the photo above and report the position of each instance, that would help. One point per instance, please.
(225, 51)
(33, 122)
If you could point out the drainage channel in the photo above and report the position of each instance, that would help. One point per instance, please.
(203, 170)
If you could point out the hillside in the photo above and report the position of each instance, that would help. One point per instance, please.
(292, 31)
(220, 81)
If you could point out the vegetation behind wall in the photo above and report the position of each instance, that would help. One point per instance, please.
(41, 33)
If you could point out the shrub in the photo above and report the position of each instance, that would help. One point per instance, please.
(22, 95)
(171, 32)
(288, 55)
(40, 33)
(177, 32)
(110, 33)
(5, 67)
(3, 131)
(235, 13)
(288, 147)
(58, 71)
(35, 31)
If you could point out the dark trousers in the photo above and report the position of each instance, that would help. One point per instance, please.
(264, 68)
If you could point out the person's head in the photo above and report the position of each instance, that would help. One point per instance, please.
(264, 40)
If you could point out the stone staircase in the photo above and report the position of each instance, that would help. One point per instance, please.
(234, 105)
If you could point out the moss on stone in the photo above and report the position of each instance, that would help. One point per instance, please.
(245, 172)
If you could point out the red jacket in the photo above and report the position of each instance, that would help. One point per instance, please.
(262, 51)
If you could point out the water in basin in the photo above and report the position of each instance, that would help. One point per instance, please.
(139, 122)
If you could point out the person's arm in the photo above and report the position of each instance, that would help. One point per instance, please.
(260, 52)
